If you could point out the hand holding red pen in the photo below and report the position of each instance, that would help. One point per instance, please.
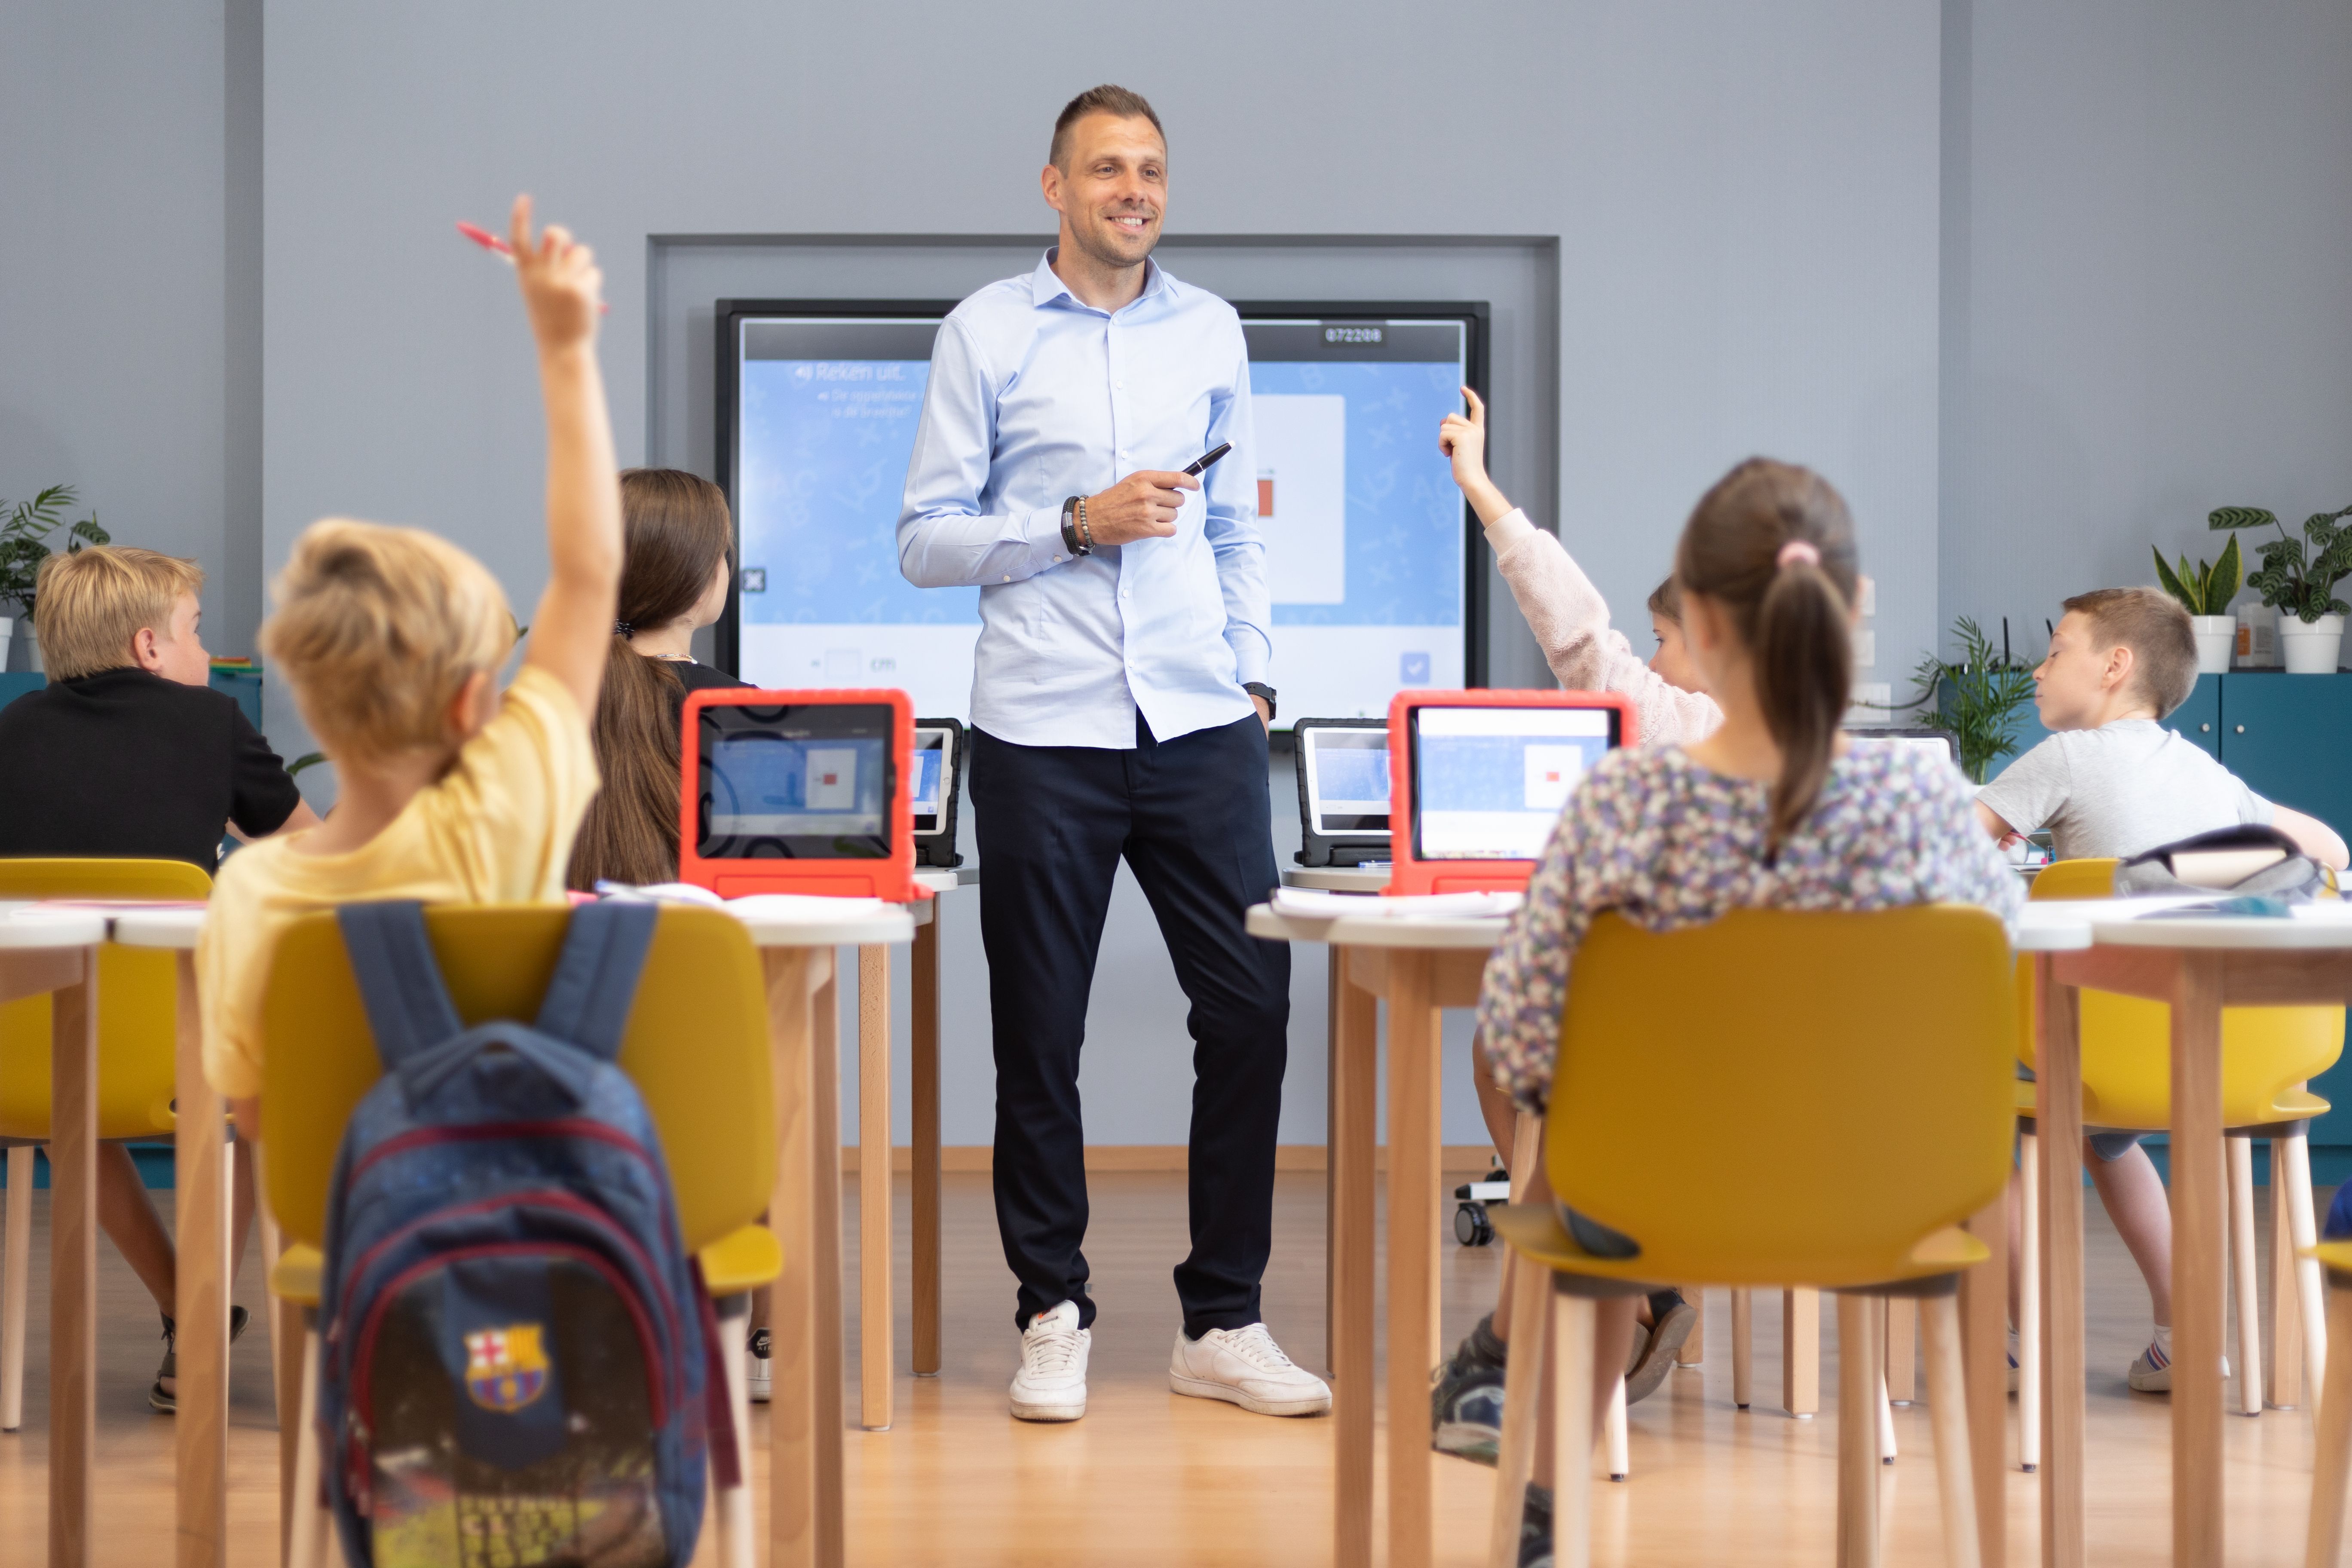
(561, 282)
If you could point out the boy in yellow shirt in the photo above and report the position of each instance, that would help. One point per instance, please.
(390, 640)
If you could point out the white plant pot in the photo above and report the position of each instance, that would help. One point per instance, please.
(2216, 640)
(8, 629)
(32, 649)
(2311, 648)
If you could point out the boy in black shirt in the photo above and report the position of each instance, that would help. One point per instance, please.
(128, 754)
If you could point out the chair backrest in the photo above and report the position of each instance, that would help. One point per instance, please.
(696, 1046)
(1786, 1097)
(137, 997)
(2126, 1041)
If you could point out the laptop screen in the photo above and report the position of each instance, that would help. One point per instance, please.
(1930, 742)
(810, 781)
(1489, 782)
(1346, 779)
(928, 788)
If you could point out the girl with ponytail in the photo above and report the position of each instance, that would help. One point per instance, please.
(1769, 810)
(675, 539)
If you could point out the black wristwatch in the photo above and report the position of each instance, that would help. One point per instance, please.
(1265, 693)
(1070, 540)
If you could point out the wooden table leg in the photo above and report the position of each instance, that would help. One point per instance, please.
(794, 1211)
(2058, 1210)
(1801, 1353)
(2199, 1266)
(874, 1237)
(73, 1265)
(1333, 982)
(924, 1085)
(1354, 1128)
(1415, 1022)
(201, 1192)
(1984, 1351)
(2285, 1369)
(824, 1126)
(1862, 1359)
(1902, 1350)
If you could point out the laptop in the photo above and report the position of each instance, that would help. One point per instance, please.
(1479, 779)
(1935, 743)
(1343, 791)
(935, 780)
(798, 792)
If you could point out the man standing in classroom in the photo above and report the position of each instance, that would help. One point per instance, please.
(1119, 710)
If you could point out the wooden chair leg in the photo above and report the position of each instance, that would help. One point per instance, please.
(308, 1527)
(1902, 1351)
(1694, 1350)
(2331, 1464)
(1523, 1386)
(1885, 1410)
(16, 1286)
(2243, 1277)
(1801, 1353)
(1743, 1347)
(1861, 1368)
(2029, 1308)
(734, 1525)
(1573, 1328)
(2284, 1368)
(2311, 1294)
(1619, 1444)
(1947, 1410)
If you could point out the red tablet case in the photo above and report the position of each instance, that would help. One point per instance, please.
(1408, 875)
(893, 879)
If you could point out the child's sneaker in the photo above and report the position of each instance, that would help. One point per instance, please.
(2012, 1361)
(1466, 1397)
(1535, 1528)
(759, 1378)
(167, 1400)
(2151, 1371)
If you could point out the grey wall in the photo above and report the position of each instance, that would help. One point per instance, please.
(2150, 311)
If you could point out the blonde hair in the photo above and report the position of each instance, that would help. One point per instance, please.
(377, 632)
(89, 607)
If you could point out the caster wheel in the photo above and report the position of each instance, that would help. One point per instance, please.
(1471, 1226)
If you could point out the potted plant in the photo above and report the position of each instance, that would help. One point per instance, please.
(1976, 698)
(25, 545)
(2206, 594)
(2300, 584)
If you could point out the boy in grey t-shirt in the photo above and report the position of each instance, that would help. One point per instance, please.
(2113, 781)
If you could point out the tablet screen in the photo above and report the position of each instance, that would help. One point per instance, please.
(811, 781)
(927, 790)
(1489, 782)
(1346, 779)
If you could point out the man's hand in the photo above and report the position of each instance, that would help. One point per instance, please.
(1462, 438)
(1264, 713)
(561, 287)
(1141, 506)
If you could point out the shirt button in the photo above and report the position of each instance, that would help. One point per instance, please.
(1118, 386)
(1008, 577)
(1057, 558)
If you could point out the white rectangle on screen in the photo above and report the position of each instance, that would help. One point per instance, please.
(1552, 773)
(831, 778)
(1302, 487)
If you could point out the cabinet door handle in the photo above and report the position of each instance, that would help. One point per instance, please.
(2242, 728)
(2204, 729)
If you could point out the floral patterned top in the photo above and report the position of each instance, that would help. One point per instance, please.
(1668, 843)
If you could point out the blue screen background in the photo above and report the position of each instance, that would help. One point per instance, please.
(761, 774)
(1486, 772)
(926, 797)
(1349, 773)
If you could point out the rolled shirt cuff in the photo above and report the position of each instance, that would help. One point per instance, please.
(1508, 531)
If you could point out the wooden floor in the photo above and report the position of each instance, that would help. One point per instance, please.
(1149, 1477)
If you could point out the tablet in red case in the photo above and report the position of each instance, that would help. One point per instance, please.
(1476, 780)
(798, 792)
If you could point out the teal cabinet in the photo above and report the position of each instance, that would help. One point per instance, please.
(2199, 718)
(2290, 738)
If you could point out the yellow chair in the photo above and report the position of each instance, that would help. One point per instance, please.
(1799, 1159)
(696, 1045)
(137, 994)
(2267, 1056)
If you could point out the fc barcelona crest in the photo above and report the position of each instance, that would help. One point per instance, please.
(506, 1369)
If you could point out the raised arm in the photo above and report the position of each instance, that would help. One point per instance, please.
(2316, 839)
(1233, 533)
(571, 631)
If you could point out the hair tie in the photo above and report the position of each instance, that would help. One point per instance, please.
(622, 629)
(1796, 550)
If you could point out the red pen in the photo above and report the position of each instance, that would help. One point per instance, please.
(499, 248)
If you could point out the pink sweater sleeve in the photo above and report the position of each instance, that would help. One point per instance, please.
(1571, 621)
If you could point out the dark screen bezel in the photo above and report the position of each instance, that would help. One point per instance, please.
(1413, 762)
(1334, 825)
(822, 720)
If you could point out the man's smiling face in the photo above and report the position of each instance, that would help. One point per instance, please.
(1111, 188)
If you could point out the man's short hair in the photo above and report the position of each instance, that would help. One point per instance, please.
(2151, 624)
(89, 607)
(377, 630)
(1103, 100)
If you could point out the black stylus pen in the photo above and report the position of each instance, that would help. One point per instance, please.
(1205, 459)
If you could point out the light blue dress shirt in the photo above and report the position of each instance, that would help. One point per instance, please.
(1035, 396)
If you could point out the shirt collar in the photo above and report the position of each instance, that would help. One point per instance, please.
(1045, 285)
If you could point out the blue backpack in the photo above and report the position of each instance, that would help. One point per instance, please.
(518, 1361)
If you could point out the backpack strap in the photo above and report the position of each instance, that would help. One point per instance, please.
(587, 1002)
(409, 1007)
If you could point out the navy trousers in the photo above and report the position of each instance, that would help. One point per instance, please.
(1191, 817)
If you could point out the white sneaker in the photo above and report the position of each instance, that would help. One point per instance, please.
(1246, 1367)
(1052, 1383)
(757, 1377)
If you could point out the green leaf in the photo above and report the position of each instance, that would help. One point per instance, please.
(2227, 575)
(2170, 582)
(2240, 517)
(306, 759)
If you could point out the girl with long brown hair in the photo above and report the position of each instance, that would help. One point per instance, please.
(1769, 810)
(676, 542)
